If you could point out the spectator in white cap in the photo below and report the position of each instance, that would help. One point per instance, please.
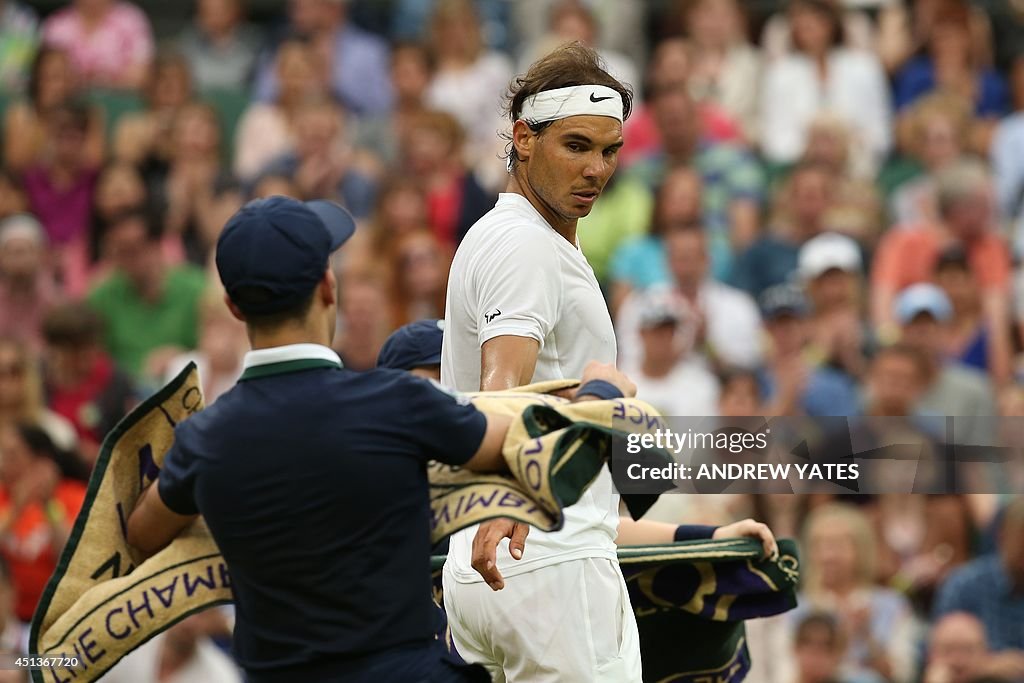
(923, 312)
(27, 289)
(830, 267)
(666, 363)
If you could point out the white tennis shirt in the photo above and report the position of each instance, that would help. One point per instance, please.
(515, 275)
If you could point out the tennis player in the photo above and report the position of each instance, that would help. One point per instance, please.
(523, 305)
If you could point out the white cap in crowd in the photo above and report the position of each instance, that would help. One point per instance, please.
(660, 306)
(924, 297)
(828, 251)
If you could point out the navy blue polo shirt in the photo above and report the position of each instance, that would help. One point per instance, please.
(312, 479)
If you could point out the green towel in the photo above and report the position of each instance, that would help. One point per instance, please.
(690, 600)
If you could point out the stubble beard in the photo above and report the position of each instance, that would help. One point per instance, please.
(557, 208)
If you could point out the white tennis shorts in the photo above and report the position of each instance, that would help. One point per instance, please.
(567, 622)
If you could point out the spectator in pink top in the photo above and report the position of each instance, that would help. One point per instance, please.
(110, 42)
(60, 185)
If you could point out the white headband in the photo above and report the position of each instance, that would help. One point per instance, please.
(576, 100)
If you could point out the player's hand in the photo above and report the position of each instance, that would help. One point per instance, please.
(485, 546)
(748, 528)
(608, 373)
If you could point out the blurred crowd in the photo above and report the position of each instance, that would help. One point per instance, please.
(819, 210)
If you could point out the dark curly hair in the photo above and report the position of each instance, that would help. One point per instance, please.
(568, 65)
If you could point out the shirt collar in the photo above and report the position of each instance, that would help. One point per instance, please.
(278, 360)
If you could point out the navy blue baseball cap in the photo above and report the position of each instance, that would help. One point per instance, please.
(415, 345)
(273, 252)
(781, 300)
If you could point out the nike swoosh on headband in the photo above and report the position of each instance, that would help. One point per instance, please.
(598, 99)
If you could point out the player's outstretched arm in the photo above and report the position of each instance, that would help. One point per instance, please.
(649, 532)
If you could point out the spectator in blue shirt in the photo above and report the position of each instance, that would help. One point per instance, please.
(958, 652)
(991, 587)
(359, 73)
(807, 202)
(950, 63)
